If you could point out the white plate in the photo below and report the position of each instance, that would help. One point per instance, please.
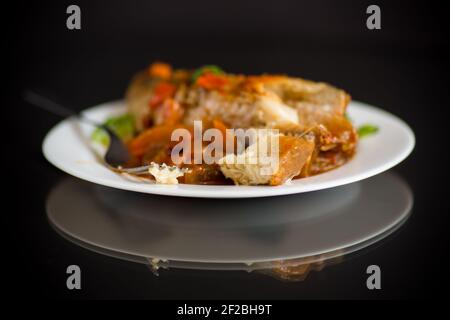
(67, 146)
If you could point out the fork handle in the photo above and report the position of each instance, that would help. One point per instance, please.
(54, 108)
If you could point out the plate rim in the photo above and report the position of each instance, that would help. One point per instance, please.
(201, 191)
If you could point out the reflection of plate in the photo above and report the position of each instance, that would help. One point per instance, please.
(66, 146)
(252, 230)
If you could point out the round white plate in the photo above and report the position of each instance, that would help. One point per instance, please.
(67, 146)
(232, 230)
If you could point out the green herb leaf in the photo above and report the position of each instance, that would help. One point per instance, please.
(367, 130)
(100, 136)
(208, 68)
(122, 125)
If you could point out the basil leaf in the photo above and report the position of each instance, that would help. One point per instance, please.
(100, 136)
(367, 130)
(208, 68)
(122, 125)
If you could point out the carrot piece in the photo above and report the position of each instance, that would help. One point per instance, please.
(218, 124)
(162, 91)
(159, 134)
(212, 81)
(160, 70)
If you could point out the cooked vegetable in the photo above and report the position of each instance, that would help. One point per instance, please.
(211, 81)
(367, 130)
(159, 135)
(204, 174)
(160, 70)
(122, 125)
(310, 116)
(100, 136)
(162, 91)
(206, 69)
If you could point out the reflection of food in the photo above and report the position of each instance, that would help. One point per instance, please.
(285, 270)
(310, 116)
(299, 269)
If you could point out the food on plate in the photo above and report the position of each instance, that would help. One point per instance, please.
(308, 120)
(294, 154)
(165, 174)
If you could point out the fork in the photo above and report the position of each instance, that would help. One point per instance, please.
(116, 154)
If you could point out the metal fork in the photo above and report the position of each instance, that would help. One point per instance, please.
(116, 154)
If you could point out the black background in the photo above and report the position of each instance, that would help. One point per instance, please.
(402, 68)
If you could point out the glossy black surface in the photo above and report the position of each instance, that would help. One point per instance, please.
(402, 68)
